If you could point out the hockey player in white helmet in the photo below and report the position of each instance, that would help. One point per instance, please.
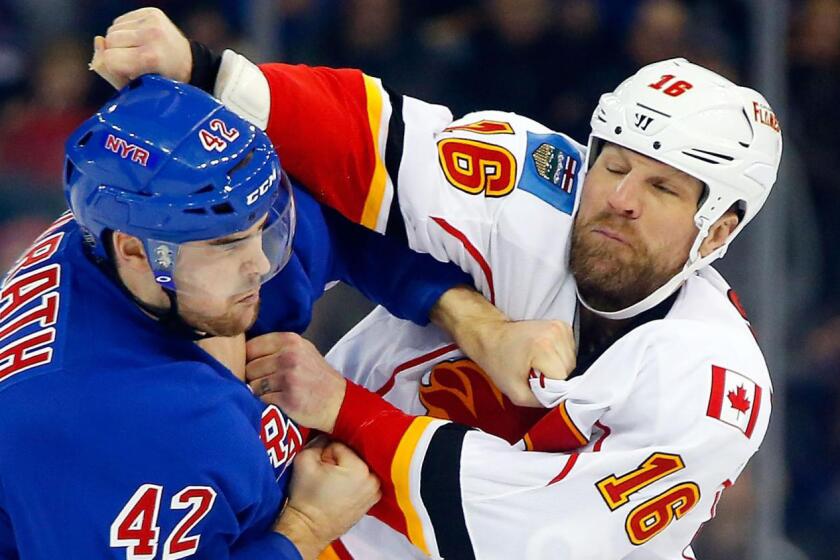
(724, 136)
(626, 458)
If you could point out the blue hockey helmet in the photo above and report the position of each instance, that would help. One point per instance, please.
(169, 164)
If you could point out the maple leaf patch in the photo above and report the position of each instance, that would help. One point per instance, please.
(738, 399)
(743, 396)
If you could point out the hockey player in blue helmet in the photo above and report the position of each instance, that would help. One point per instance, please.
(122, 437)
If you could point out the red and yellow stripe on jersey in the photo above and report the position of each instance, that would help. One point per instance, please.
(417, 460)
(331, 131)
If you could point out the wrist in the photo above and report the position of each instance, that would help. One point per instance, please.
(468, 317)
(303, 531)
(333, 408)
(203, 68)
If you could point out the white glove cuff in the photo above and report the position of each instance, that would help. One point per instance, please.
(243, 88)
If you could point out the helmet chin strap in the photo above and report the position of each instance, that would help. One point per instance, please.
(695, 262)
(172, 319)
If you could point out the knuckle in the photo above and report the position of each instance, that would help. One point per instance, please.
(560, 329)
(149, 57)
(543, 343)
(293, 359)
(272, 341)
(291, 375)
(151, 32)
(294, 340)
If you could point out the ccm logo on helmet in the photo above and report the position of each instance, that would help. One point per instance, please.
(127, 151)
(262, 189)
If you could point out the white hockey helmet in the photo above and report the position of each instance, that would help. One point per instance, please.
(697, 121)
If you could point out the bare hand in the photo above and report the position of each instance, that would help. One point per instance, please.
(506, 350)
(229, 350)
(286, 370)
(141, 42)
(331, 489)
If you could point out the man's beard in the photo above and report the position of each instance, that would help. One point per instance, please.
(611, 276)
(236, 321)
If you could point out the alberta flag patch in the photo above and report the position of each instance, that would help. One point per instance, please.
(552, 170)
(735, 400)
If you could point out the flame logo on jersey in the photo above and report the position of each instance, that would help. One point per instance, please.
(460, 391)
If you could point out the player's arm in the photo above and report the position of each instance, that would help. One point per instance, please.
(408, 284)
(393, 164)
(387, 161)
(415, 286)
(460, 493)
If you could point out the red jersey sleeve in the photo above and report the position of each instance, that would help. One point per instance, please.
(326, 126)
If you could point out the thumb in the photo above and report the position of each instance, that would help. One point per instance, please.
(98, 46)
(97, 64)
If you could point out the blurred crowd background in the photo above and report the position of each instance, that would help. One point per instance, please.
(547, 59)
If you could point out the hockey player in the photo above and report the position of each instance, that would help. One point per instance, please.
(122, 437)
(671, 396)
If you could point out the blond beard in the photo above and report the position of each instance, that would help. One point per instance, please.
(231, 323)
(610, 276)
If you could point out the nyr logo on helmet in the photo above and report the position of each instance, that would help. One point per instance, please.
(262, 189)
(131, 152)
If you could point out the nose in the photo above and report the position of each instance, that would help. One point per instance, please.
(257, 261)
(625, 198)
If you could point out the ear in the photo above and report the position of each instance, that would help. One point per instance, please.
(129, 252)
(719, 232)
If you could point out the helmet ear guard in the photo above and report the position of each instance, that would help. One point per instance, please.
(700, 123)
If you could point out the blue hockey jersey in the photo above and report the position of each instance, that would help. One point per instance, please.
(121, 439)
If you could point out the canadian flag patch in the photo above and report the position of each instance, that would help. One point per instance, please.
(735, 400)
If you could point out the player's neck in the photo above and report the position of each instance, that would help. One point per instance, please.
(597, 332)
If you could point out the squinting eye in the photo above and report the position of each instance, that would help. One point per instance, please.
(233, 245)
(616, 170)
(663, 188)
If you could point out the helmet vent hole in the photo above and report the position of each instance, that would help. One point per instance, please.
(69, 168)
(708, 157)
(204, 189)
(223, 208)
(200, 211)
(84, 139)
(242, 164)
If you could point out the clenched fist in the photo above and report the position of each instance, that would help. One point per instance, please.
(331, 489)
(507, 350)
(286, 370)
(141, 42)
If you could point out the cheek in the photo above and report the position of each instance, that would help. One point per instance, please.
(592, 198)
(672, 239)
(210, 274)
(202, 304)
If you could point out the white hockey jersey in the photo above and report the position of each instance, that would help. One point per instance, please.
(627, 460)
